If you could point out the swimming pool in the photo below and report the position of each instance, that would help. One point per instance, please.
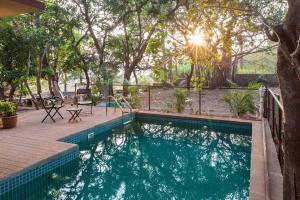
(153, 158)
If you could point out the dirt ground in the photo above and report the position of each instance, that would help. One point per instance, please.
(211, 101)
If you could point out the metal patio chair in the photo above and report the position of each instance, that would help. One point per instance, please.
(84, 97)
(51, 105)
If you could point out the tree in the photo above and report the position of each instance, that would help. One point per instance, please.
(13, 58)
(141, 21)
(288, 69)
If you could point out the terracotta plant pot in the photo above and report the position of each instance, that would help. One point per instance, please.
(9, 122)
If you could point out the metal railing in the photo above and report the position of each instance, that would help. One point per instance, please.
(118, 105)
(150, 95)
(127, 103)
(273, 112)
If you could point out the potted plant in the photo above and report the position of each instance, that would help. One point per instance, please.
(8, 114)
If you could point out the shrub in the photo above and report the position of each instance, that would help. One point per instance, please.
(168, 107)
(240, 103)
(95, 99)
(7, 109)
(166, 84)
(180, 96)
(254, 85)
(189, 103)
(135, 98)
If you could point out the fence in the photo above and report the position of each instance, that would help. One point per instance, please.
(161, 98)
(273, 111)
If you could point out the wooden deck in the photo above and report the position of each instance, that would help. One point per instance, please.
(33, 142)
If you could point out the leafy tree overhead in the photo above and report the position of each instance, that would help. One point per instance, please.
(13, 58)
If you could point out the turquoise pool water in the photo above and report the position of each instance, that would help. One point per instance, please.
(153, 158)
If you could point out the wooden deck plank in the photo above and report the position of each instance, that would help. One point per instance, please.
(33, 142)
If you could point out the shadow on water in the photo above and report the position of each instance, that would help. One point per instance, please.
(152, 159)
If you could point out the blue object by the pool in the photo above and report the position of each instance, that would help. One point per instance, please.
(110, 104)
(153, 158)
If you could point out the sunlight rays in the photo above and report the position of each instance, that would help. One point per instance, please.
(197, 38)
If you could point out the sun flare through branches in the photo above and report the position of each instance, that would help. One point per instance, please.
(196, 38)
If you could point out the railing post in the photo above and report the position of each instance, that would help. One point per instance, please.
(275, 120)
(268, 106)
(199, 102)
(273, 115)
(265, 103)
(280, 126)
(149, 97)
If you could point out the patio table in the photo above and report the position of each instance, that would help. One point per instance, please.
(74, 112)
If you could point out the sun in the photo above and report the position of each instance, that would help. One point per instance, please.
(197, 39)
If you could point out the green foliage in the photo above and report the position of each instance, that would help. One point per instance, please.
(7, 109)
(135, 97)
(146, 80)
(254, 85)
(189, 103)
(13, 55)
(95, 99)
(184, 68)
(180, 96)
(132, 36)
(198, 83)
(95, 91)
(259, 63)
(168, 107)
(240, 103)
(155, 43)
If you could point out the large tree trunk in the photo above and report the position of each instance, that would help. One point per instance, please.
(189, 77)
(290, 94)
(135, 77)
(38, 84)
(127, 76)
(50, 85)
(2, 95)
(27, 85)
(12, 92)
(56, 88)
(100, 45)
(288, 73)
(221, 73)
(39, 72)
(87, 77)
(33, 99)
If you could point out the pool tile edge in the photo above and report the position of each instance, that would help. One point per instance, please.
(37, 170)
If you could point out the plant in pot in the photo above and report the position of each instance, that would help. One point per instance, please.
(8, 114)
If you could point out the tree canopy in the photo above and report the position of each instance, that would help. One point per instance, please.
(97, 41)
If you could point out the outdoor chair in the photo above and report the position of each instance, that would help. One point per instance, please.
(51, 105)
(84, 97)
(60, 95)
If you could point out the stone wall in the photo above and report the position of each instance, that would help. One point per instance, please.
(245, 79)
